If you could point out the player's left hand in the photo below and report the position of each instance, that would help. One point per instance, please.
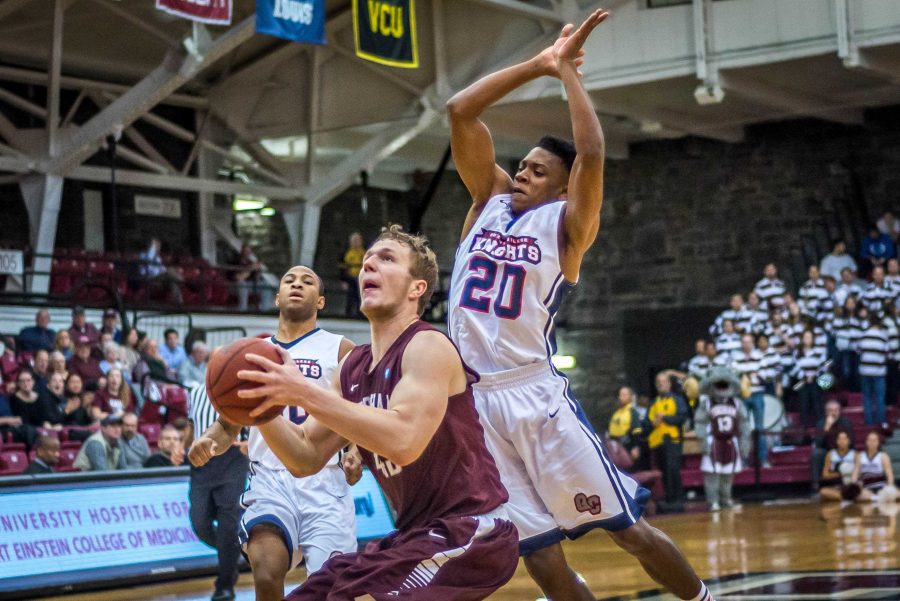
(280, 384)
(351, 462)
(568, 48)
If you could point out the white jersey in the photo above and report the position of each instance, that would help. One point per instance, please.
(316, 356)
(507, 286)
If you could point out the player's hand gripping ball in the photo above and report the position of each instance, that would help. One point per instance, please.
(223, 384)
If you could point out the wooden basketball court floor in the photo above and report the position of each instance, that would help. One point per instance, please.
(788, 550)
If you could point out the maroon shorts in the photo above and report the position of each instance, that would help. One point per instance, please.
(454, 559)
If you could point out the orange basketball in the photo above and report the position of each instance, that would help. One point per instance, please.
(223, 384)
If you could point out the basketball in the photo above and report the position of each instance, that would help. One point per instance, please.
(223, 384)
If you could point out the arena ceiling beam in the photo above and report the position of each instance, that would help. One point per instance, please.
(8, 7)
(175, 70)
(523, 9)
(117, 9)
(885, 69)
(791, 101)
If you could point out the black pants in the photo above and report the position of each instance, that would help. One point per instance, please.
(215, 495)
(812, 406)
(668, 460)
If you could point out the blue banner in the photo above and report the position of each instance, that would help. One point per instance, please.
(295, 20)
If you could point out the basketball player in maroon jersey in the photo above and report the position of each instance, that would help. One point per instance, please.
(406, 401)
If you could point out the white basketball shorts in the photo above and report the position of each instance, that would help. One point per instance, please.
(560, 481)
(315, 519)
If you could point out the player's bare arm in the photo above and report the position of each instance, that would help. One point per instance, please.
(303, 449)
(584, 195)
(216, 440)
(432, 372)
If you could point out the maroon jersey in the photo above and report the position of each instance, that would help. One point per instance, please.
(724, 418)
(455, 476)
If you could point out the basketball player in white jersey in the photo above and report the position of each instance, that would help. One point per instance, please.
(288, 518)
(521, 251)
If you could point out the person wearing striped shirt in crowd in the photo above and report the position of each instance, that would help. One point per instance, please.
(698, 365)
(747, 361)
(769, 366)
(873, 348)
(812, 292)
(778, 333)
(840, 330)
(878, 292)
(729, 340)
(795, 324)
(808, 362)
(770, 289)
(733, 312)
(826, 306)
(848, 287)
(753, 317)
(892, 276)
(892, 325)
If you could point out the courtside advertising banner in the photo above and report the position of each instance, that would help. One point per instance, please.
(296, 20)
(215, 12)
(385, 32)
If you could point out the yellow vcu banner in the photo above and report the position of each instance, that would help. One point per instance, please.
(385, 32)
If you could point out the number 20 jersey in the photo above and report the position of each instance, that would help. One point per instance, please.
(507, 287)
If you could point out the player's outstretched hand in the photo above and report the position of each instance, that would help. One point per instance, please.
(568, 46)
(202, 450)
(351, 462)
(279, 383)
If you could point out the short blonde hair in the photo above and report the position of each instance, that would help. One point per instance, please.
(424, 262)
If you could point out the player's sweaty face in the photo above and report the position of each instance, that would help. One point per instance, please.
(541, 176)
(384, 278)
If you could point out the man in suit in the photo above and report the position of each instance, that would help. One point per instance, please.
(46, 451)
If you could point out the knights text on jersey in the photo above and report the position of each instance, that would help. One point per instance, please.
(316, 356)
(507, 286)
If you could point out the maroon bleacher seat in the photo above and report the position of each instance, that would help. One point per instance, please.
(150, 432)
(67, 457)
(12, 462)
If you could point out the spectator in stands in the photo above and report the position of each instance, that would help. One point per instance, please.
(875, 250)
(58, 364)
(700, 362)
(747, 363)
(351, 265)
(837, 471)
(135, 450)
(873, 351)
(9, 364)
(733, 312)
(112, 357)
(664, 423)
(878, 292)
(63, 344)
(888, 224)
(892, 277)
(129, 350)
(827, 430)
(872, 470)
(812, 293)
(826, 305)
(769, 366)
(77, 410)
(848, 287)
(171, 449)
(729, 340)
(56, 395)
(110, 325)
(172, 351)
(835, 262)
(891, 324)
(808, 363)
(842, 345)
(40, 365)
(152, 363)
(245, 276)
(157, 274)
(193, 369)
(38, 336)
(85, 365)
(12, 426)
(625, 423)
(753, 317)
(114, 398)
(102, 451)
(46, 451)
(80, 327)
(770, 289)
(33, 408)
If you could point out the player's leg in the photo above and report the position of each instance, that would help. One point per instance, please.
(550, 571)
(711, 487)
(269, 560)
(661, 559)
(725, 481)
(831, 493)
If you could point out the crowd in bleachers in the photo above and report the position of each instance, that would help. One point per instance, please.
(93, 389)
(835, 339)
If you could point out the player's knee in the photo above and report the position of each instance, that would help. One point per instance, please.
(547, 564)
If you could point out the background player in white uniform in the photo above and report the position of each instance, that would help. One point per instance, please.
(287, 518)
(521, 250)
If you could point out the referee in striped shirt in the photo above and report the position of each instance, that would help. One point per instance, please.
(215, 494)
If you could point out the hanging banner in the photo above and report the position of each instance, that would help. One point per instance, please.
(385, 32)
(295, 20)
(216, 12)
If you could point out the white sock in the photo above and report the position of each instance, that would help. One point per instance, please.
(703, 595)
